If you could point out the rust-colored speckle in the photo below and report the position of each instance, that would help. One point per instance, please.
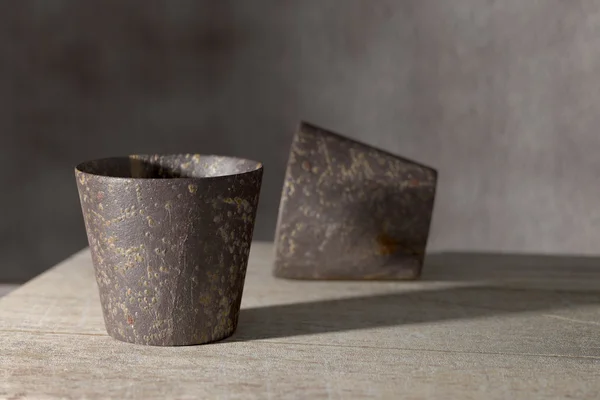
(130, 320)
(306, 166)
(386, 244)
(413, 183)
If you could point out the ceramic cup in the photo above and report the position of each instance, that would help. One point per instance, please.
(350, 211)
(170, 237)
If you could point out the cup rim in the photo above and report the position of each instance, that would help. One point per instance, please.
(80, 168)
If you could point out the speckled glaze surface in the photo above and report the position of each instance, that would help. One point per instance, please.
(170, 237)
(350, 211)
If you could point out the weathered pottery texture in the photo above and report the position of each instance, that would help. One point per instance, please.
(170, 237)
(350, 211)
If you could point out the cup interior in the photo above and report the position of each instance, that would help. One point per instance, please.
(170, 166)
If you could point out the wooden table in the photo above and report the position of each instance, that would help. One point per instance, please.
(476, 326)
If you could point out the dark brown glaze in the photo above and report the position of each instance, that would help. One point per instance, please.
(350, 211)
(170, 237)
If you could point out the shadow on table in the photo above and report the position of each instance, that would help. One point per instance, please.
(478, 297)
(530, 269)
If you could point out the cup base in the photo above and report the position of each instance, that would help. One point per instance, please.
(166, 342)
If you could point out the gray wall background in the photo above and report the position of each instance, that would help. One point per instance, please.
(501, 96)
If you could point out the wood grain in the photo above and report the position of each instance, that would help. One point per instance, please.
(533, 332)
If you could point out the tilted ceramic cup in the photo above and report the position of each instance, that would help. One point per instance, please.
(170, 237)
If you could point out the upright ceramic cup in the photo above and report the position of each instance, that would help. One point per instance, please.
(170, 237)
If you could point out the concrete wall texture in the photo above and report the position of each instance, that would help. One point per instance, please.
(500, 96)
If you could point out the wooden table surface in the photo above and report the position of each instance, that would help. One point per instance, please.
(475, 326)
